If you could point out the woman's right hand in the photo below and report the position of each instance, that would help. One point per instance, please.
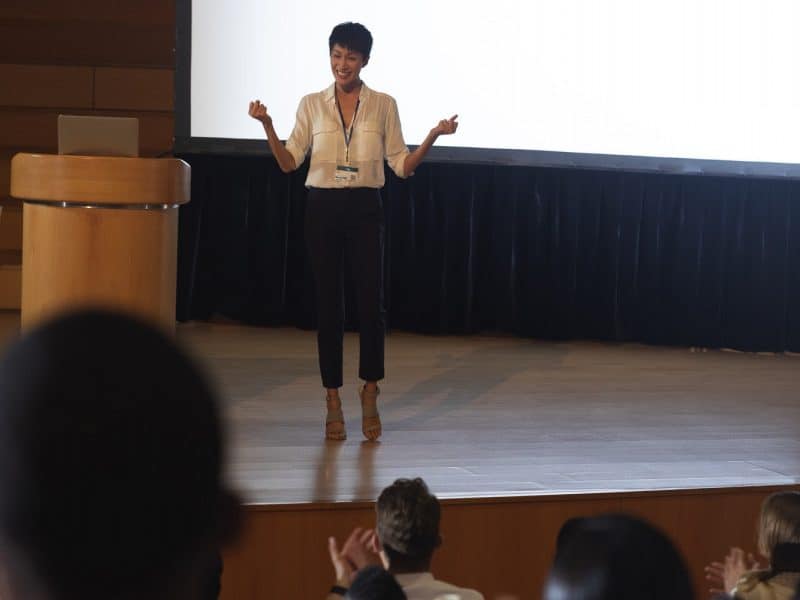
(259, 112)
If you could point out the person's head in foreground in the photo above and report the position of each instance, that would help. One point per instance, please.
(616, 557)
(779, 523)
(111, 457)
(375, 583)
(407, 525)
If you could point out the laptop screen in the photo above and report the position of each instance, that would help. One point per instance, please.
(98, 136)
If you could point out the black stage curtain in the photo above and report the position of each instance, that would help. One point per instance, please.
(545, 253)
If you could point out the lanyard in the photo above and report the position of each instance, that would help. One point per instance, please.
(348, 135)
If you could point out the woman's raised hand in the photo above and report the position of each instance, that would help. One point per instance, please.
(259, 112)
(446, 126)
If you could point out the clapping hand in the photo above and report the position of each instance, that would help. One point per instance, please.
(259, 112)
(359, 551)
(361, 548)
(446, 126)
(723, 576)
(344, 568)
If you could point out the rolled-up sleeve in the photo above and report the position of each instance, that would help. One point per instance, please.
(299, 141)
(395, 145)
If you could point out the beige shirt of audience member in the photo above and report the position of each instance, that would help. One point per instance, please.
(376, 136)
(423, 586)
(778, 587)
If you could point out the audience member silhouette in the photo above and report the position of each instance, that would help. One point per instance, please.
(375, 583)
(111, 459)
(616, 557)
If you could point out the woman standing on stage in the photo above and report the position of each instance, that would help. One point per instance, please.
(350, 130)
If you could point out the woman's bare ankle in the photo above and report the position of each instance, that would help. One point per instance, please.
(332, 398)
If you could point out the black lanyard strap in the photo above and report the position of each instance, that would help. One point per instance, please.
(348, 135)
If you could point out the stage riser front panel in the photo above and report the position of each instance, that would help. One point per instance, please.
(500, 546)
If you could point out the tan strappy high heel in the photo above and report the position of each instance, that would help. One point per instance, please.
(370, 419)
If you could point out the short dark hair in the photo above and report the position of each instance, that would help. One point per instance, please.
(408, 518)
(111, 457)
(616, 557)
(375, 583)
(353, 36)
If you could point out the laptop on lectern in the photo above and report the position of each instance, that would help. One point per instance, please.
(98, 136)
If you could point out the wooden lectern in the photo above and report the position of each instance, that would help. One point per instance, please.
(99, 231)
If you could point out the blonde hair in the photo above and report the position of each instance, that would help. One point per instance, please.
(779, 522)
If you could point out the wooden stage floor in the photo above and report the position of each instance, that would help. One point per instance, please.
(492, 416)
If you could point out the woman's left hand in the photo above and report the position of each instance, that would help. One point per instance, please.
(446, 126)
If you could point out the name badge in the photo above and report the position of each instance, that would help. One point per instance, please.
(346, 174)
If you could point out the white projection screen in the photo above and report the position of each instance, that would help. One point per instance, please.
(697, 86)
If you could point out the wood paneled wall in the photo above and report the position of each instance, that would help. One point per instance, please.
(92, 57)
(95, 57)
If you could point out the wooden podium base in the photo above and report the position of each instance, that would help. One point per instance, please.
(99, 232)
(104, 257)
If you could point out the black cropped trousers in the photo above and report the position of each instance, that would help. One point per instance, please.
(349, 222)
